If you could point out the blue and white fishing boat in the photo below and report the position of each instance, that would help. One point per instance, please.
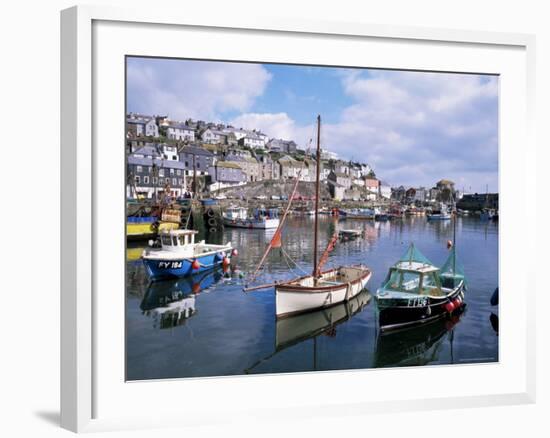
(179, 256)
(441, 214)
(237, 217)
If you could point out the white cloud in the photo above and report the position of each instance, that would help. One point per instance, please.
(184, 89)
(413, 127)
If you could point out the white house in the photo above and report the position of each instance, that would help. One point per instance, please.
(213, 136)
(180, 131)
(385, 190)
(328, 155)
(169, 153)
(253, 141)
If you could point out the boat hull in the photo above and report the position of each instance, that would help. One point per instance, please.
(251, 223)
(397, 313)
(438, 217)
(177, 267)
(292, 299)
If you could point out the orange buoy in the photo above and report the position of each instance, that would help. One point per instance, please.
(449, 307)
(234, 253)
(195, 265)
(226, 262)
(449, 244)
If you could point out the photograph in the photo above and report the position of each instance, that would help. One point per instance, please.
(291, 218)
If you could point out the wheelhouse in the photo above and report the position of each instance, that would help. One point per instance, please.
(414, 280)
(174, 239)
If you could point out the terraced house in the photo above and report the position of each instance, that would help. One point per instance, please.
(141, 126)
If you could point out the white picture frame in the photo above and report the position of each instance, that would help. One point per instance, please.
(91, 395)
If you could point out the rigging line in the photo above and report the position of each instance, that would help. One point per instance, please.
(292, 260)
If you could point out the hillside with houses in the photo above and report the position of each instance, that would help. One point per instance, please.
(183, 158)
(168, 156)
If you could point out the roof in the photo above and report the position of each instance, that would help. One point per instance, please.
(289, 161)
(195, 150)
(138, 161)
(181, 126)
(340, 174)
(148, 149)
(228, 164)
(138, 121)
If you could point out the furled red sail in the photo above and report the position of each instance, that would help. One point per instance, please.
(324, 257)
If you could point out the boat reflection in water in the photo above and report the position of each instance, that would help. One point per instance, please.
(299, 328)
(171, 303)
(420, 345)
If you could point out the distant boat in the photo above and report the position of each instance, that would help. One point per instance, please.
(415, 291)
(441, 214)
(179, 255)
(438, 216)
(237, 217)
(359, 213)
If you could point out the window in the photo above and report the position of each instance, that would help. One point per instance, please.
(178, 172)
(187, 163)
(145, 180)
(198, 165)
(166, 241)
(174, 157)
(161, 172)
(174, 181)
(149, 169)
(167, 180)
(137, 179)
(139, 169)
(171, 171)
(181, 181)
(155, 180)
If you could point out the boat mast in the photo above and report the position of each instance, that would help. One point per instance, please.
(316, 274)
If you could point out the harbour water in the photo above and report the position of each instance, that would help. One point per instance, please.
(207, 326)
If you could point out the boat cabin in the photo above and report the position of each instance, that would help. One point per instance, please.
(177, 239)
(412, 278)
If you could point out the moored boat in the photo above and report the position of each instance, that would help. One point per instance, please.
(439, 214)
(312, 292)
(237, 217)
(415, 291)
(359, 213)
(179, 256)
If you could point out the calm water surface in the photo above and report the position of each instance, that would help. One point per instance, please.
(206, 326)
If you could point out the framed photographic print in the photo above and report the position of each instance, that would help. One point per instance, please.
(248, 208)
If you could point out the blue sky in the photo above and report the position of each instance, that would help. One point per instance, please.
(414, 128)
